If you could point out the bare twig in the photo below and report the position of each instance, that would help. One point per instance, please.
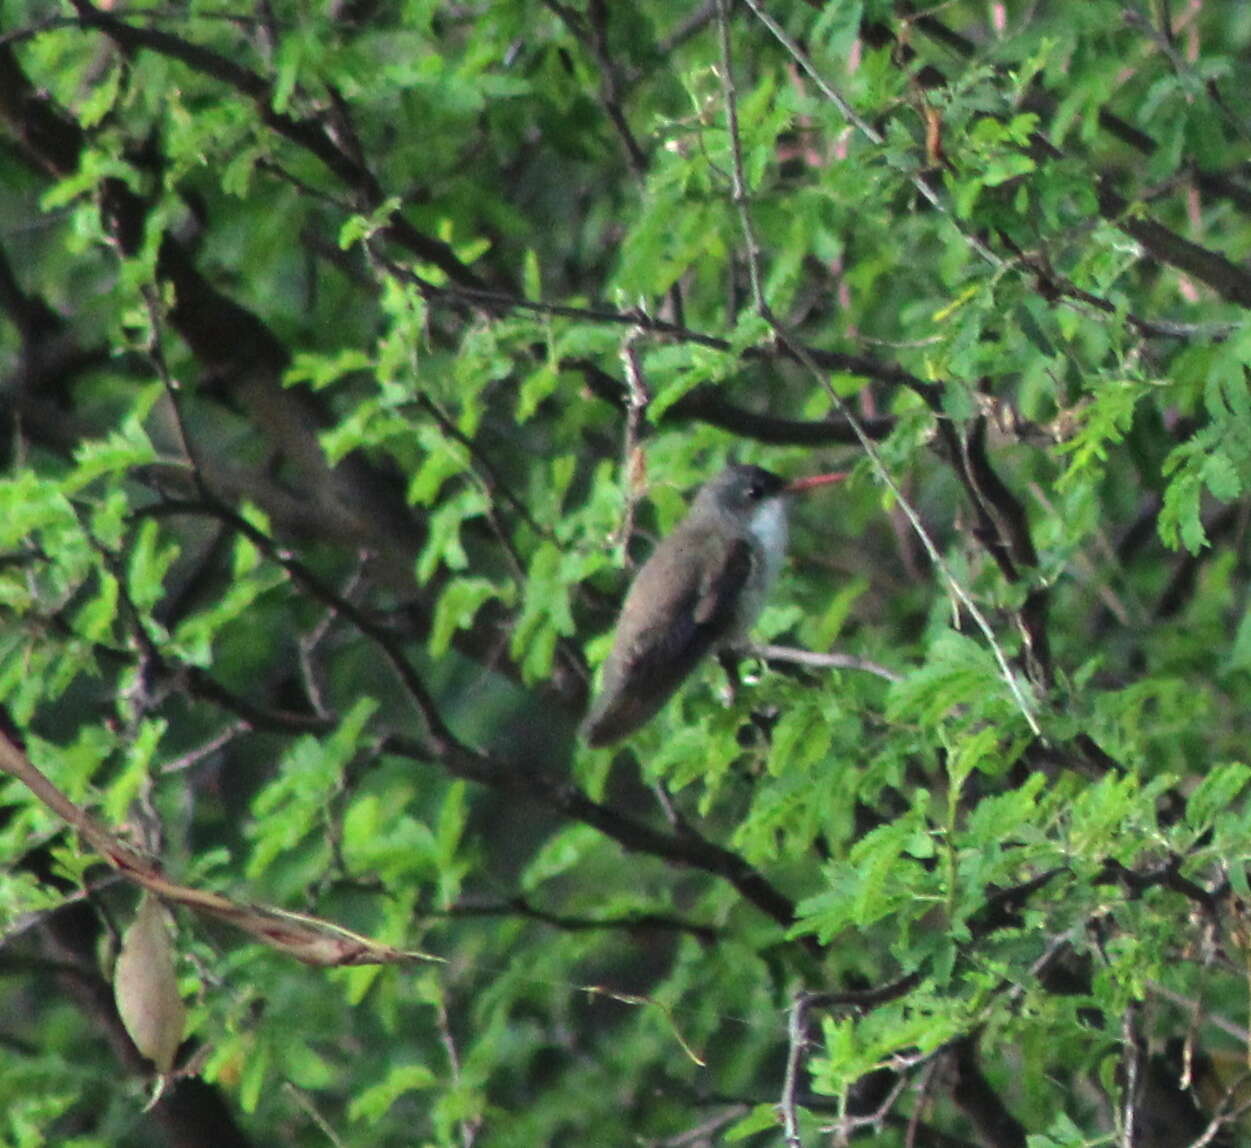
(1132, 1060)
(1226, 1114)
(310, 1110)
(771, 653)
(502, 301)
(996, 1127)
(634, 463)
(738, 181)
(847, 1126)
(1241, 1034)
(206, 749)
(863, 126)
(308, 134)
(796, 1057)
(1025, 703)
(469, 1124)
(519, 906)
(705, 1132)
(312, 940)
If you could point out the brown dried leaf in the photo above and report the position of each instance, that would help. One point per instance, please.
(146, 988)
(313, 940)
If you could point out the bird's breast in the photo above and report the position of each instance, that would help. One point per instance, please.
(767, 534)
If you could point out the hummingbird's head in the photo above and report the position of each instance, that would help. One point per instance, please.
(744, 491)
(741, 490)
(752, 499)
(747, 500)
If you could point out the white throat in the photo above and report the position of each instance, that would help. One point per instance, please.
(768, 528)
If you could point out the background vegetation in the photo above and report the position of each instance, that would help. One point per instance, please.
(352, 352)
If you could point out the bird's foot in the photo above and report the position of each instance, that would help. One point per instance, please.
(729, 660)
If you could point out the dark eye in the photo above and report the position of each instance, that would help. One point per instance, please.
(755, 492)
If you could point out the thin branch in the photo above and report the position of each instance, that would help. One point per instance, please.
(629, 923)
(821, 661)
(865, 998)
(206, 749)
(1241, 1034)
(155, 351)
(1166, 875)
(796, 1057)
(704, 1133)
(863, 126)
(310, 1109)
(686, 848)
(308, 643)
(594, 35)
(483, 468)
(1133, 1058)
(306, 134)
(851, 1124)
(922, 1099)
(311, 940)
(634, 463)
(995, 1125)
(442, 743)
(1024, 703)
(503, 301)
(36, 28)
(707, 404)
(1006, 535)
(1226, 1114)
(21, 924)
(738, 182)
(470, 1122)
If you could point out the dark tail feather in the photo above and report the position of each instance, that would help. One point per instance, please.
(612, 719)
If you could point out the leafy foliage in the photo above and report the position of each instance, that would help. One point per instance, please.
(352, 356)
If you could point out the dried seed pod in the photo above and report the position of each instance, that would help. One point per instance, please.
(145, 987)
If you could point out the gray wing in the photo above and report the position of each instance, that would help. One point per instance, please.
(696, 586)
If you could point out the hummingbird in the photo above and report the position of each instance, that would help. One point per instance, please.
(700, 592)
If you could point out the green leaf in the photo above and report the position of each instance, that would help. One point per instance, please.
(545, 610)
(835, 616)
(1179, 516)
(199, 633)
(150, 561)
(360, 227)
(291, 806)
(117, 453)
(136, 769)
(94, 621)
(457, 607)
(958, 671)
(255, 1070)
(531, 277)
(94, 167)
(539, 384)
(372, 1103)
(443, 545)
(801, 737)
(762, 1118)
(103, 96)
(320, 370)
(561, 853)
(1216, 793)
